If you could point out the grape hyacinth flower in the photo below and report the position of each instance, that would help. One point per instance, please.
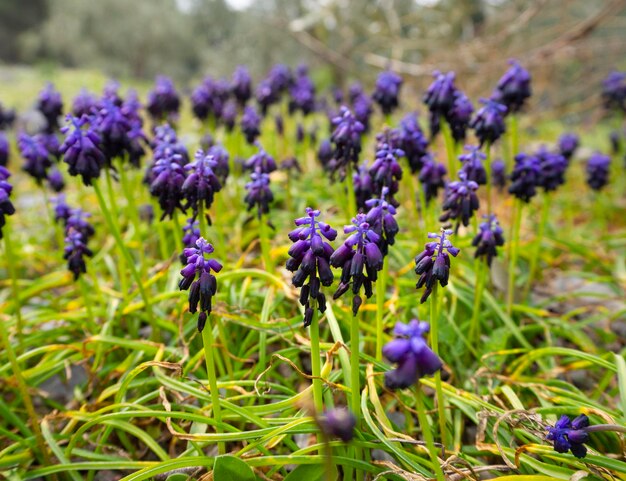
(241, 85)
(460, 115)
(166, 145)
(265, 96)
(191, 233)
(488, 123)
(261, 162)
(259, 193)
(498, 174)
(202, 290)
(38, 159)
(229, 115)
(55, 180)
(163, 101)
(168, 177)
(50, 104)
(347, 142)
(338, 423)
(598, 171)
(208, 98)
(525, 177)
(201, 184)
(358, 252)
(387, 91)
(386, 171)
(81, 150)
(6, 206)
(461, 201)
(489, 237)
(568, 144)
(432, 177)
(4, 150)
(411, 352)
(363, 110)
(62, 210)
(75, 252)
(413, 142)
(309, 260)
(513, 88)
(363, 186)
(7, 117)
(220, 156)
(552, 167)
(473, 164)
(325, 153)
(439, 96)
(84, 103)
(110, 93)
(280, 78)
(113, 127)
(381, 217)
(433, 263)
(570, 435)
(250, 124)
(302, 92)
(614, 91)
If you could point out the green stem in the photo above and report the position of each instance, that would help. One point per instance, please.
(545, 210)
(265, 243)
(427, 433)
(514, 125)
(11, 258)
(482, 269)
(316, 368)
(381, 287)
(515, 230)
(351, 201)
(434, 340)
(355, 386)
(112, 225)
(115, 216)
(208, 342)
(488, 172)
(84, 288)
(450, 149)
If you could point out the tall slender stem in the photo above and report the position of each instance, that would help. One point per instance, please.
(514, 134)
(316, 368)
(517, 208)
(545, 210)
(209, 343)
(427, 433)
(265, 243)
(351, 201)
(450, 148)
(434, 340)
(355, 386)
(381, 288)
(10, 258)
(488, 172)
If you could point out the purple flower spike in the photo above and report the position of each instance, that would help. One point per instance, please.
(432, 177)
(167, 179)
(4, 149)
(413, 142)
(381, 217)
(362, 107)
(259, 193)
(250, 124)
(302, 93)
(461, 201)
(50, 104)
(498, 174)
(525, 177)
(338, 423)
(489, 121)
(552, 167)
(440, 94)
(411, 352)
(460, 115)
(202, 183)
(363, 186)
(261, 162)
(473, 164)
(488, 238)
(568, 435)
(614, 91)
(208, 98)
(81, 150)
(202, 290)
(7, 118)
(241, 85)
(513, 88)
(347, 142)
(229, 115)
(84, 103)
(75, 252)
(113, 127)
(55, 180)
(38, 159)
(163, 101)
(433, 263)
(310, 261)
(221, 157)
(598, 170)
(386, 171)
(387, 91)
(568, 144)
(6, 206)
(358, 252)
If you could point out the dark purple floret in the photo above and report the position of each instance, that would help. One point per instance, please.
(280, 78)
(166, 145)
(552, 167)
(202, 290)
(201, 183)
(363, 109)
(460, 115)
(241, 85)
(51, 143)
(525, 177)
(221, 158)
(461, 201)
(113, 127)
(568, 435)
(346, 139)
(387, 91)
(338, 423)
(259, 194)
(261, 162)
(413, 142)
(473, 164)
(131, 108)
(598, 170)
(363, 186)
(380, 216)
(310, 261)
(163, 101)
(50, 104)
(432, 177)
(6, 206)
(75, 252)
(360, 260)
(440, 94)
(168, 177)
(77, 220)
(498, 174)
(302, 93)
(62, 210)
(489, 237)
(229, 115)
(55, 180)
(191, 233)
(325, 153)
(433, 263)
(614, 91)
(208, 98)
(250, 124)
(37, 158)
(488, 123)
(84, 103)
(513, 88)
(4, 150)
(137, 143)
(568, 144)
(265, 95)
(411, 352)
(81, 150)
(386, 171)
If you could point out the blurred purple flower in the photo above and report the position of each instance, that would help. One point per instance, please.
(433, 263)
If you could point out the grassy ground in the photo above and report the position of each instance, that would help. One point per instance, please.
(120, 392)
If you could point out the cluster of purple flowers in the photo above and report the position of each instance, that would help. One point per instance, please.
(50, 104)
(270, 89)
(338, 423)
(310, 261)
(381, 217)
(461, 201)
(241, 85)
(386, 171)
(7, 117)
(163, 101)
(6, 206)
(250, 124)
(201, 184)
(598, 170)
(37, 157)
(432, 177)
(302, 92)
(208, 98)
(552, 167)
(570, 435)
(387, 91)
(202, 289)
(361, 105)
(488, 123)
(258, 189)
(489, 237)
(81, 150)
(525, 177)
(513, 88)
(346, 140)
(433, 263)
(360, 259)
(568, 144)
(413, 142)
(473, 164)
(4, 150)
(614, 91)
(191, 233)
(78, 231)
(84, 103)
